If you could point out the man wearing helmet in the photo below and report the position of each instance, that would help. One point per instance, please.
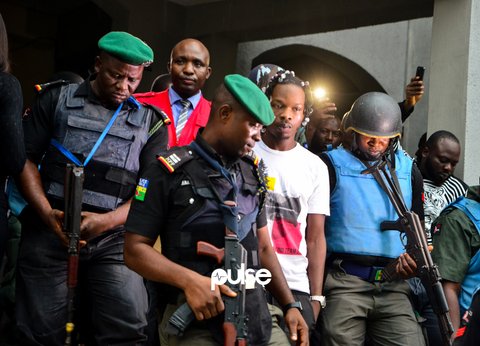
(360, 305)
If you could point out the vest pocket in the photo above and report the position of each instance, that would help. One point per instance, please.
(82, 134)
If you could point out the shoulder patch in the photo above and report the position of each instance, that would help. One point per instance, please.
(175, 158)
(141, 189)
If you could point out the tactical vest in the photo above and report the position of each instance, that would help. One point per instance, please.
(110, 176)
(471, 279)
(358, 206)
(195, 215)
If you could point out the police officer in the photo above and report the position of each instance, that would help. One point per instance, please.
(358, 304)
(456, 245)
(182, 198)
(97, 125)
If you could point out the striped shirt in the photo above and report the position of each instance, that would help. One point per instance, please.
(438, 197)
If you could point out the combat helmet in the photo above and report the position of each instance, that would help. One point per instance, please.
(374, 114)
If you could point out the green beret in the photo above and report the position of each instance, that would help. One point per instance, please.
(127, 48)
(249, 95)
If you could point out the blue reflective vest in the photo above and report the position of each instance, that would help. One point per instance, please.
(358, 205)
(471, 281)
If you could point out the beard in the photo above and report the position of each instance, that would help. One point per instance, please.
(437, 177)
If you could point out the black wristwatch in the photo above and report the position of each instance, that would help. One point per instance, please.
(296, 305)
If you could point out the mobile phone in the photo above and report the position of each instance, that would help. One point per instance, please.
(420, 72)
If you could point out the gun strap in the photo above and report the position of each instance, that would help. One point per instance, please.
(393, 190)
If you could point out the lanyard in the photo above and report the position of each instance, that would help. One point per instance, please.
(100, 139)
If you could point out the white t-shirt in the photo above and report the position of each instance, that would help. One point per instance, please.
(298, 185)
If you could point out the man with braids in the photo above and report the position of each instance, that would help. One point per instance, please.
(183, 199)
(360, 305)
(298, 197)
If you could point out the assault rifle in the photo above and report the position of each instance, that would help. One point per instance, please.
(73, 195)
(235, 321)
(409, 224)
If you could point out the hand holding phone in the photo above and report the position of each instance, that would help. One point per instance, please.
(420, 72)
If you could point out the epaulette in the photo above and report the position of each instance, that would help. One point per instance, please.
(175, 158)
(259, 170)
(164, 119)
(40, 88)
(252, 158)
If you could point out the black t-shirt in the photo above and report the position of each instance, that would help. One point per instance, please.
(12, 149)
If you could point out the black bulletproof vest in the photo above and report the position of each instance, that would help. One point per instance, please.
(195, 216)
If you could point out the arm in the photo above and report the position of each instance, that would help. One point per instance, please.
(452, 291)
(279, 288)
(141, 257)
(413, 93)
(316, 253)
(32, 190)
(94, 224)
(325, 108)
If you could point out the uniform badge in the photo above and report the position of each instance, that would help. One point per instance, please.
(141, 189)
(437, 228)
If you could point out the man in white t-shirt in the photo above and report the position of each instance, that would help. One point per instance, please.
(298, 198)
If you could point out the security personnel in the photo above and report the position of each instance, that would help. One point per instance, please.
(358, 304)
(456, 245)
(96, 125)
(468, 334)
(182, 198)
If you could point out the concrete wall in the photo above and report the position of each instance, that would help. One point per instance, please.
(455, 92)
(388, 52)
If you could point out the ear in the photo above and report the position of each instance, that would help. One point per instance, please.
(425, 151)
(209, 72)
(98, 64)
(225, 112)
(169, 67)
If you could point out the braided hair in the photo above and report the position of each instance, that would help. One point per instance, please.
(288, 77)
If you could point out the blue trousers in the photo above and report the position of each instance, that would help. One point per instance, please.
(110, 296)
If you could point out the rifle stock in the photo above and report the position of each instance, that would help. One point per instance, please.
(73, 195)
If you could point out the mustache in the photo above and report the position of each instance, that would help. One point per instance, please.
(285, 124)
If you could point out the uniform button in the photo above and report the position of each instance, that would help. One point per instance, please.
(191, 200)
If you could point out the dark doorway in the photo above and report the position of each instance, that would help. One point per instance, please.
(78, 31)
(343, 79)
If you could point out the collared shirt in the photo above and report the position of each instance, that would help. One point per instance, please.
(177, 106)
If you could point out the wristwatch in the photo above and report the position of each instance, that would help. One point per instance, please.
(296, 305)
(321, 299)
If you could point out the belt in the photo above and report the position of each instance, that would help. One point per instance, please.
(367, 273)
